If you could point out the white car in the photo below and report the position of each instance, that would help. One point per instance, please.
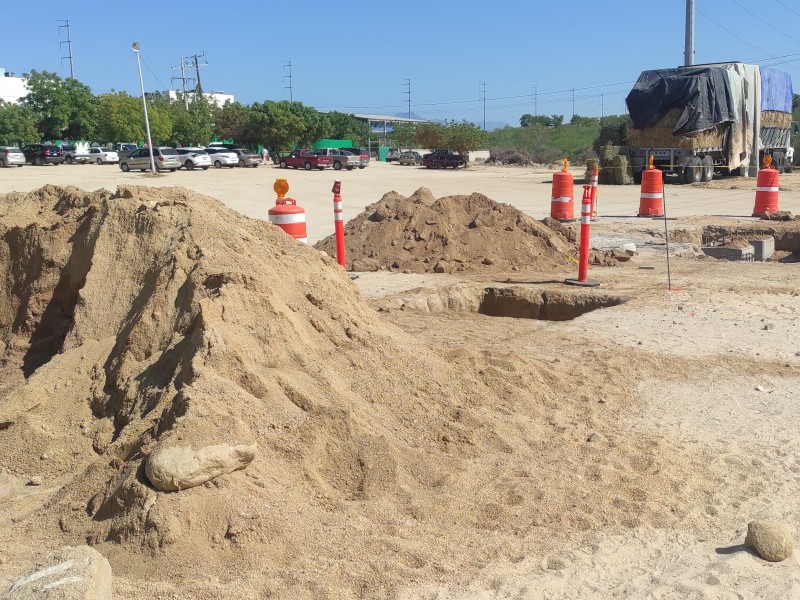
(222, 157)
(103, 156)
(193, 158)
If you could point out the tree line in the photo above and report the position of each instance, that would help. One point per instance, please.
(66, 109)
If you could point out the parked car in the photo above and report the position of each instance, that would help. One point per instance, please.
(222, 145)
(194, 158)
(166, 159)
(222, 157)
(362, 154)
(42, 154)
(10, 156)
(73, 155)
(103, 156)
(392, 154)
(125, 150)
(443, 159)
(341, 158)
(410, 158)
(246, 158)
(306, 159)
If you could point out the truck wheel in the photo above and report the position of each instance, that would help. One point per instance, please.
(124, 166)
(282, 165)
(307, 166)
(337, 166)
(708, 168)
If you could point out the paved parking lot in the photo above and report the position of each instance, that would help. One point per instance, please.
(250, 192)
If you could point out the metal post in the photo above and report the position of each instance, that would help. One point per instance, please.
(688, 49)
(136, 48)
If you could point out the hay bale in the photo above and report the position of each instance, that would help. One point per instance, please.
(591, 163)
(607, 153)
(661, 135)
(775, 118)
(621, 171)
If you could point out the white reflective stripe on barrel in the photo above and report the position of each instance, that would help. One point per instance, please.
(767, 189)
(302, 240)
(562, 199)
(337, 205)
(656, 195)
(287, 219)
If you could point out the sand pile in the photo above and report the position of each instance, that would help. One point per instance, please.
(145, 320)
(452, 234)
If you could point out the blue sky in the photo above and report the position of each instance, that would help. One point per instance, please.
(358, 60)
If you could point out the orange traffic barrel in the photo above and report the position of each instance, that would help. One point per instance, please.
(651, 199)
(286, 214)
(766, 189)
(562, 200)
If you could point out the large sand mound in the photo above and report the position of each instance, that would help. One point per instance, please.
(452, 234)
(151, 318)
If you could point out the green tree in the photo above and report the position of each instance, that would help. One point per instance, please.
(347, 127)
(403, 134)
(613, 131)
(192, 126)
(63, 108)
(465, 136)
(159, 112)
(556, 121)
(431, 135)
(17, 125)
(580, 121)
(528, 120)
(120, 118)
(231, 121)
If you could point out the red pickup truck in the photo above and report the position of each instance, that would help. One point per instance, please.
(442, 160)
(306, 159)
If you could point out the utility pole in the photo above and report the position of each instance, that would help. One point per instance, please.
(287, 64)
(602, 114)
(688, 49)
(196, 64)
(573, 102)
(68, 42)
(483, 97)
(183, 79)
(408, 93)
(535, 100)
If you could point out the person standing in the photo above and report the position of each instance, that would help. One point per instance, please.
(264, 155)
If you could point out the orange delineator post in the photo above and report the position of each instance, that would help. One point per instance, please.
(286, 214)
(651, 200)
(583, 259)
(562, 198)
(767, 188)
(338, 223)
(594, 181)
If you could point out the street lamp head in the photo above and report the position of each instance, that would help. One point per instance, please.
(135, 46)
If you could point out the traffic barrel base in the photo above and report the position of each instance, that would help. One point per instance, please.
(291, 218)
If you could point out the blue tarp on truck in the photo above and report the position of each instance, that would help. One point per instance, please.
(776, 90)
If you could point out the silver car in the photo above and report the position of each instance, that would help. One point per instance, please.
(166, 159)
(194, 158)
(10, 156)
(246, 157)
(410, 158)
(222, 157)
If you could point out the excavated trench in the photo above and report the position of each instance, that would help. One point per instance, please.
(514, 302)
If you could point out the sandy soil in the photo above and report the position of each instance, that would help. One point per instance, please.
(618, 454)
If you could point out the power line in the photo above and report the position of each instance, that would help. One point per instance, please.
(154, 75)
(767, 23)
(183, 79)
(196, 64)
(788, 8)
(725, 29)
(68, 42)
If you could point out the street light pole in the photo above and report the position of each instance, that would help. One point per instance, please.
(136, 47)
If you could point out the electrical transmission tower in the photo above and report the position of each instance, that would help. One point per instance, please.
(287, 64)
(408, 93)
(193, 62)
(483, 97)
(68, 42)
(183, 79)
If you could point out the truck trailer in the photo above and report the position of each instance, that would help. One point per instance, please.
(695, 121)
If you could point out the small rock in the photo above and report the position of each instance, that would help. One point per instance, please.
(439, 267)
(35, 480)
(772, 540)
(488, 261)
(596, 438)
(759, 388)
(44, 456)
(70, 573)
(178, 468)
(768, 327)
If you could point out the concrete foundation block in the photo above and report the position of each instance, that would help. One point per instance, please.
(763, 248)
(746, 254)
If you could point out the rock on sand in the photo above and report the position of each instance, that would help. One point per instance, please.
(772, 540)
(70, 573)
(178, 468)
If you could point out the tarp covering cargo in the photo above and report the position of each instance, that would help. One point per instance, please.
(776, 90)
(704, 93)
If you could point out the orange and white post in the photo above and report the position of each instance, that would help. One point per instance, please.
(339, 223)
(583, 259)
(595, 177)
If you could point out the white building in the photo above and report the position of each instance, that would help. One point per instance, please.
(12, 88)
(218, 98)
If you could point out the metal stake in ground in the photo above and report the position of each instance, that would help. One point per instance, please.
(586, 219)
(666, 236)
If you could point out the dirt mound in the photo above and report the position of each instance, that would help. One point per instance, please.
(153, 318)
(452, 234)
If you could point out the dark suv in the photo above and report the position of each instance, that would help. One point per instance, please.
(41, 154)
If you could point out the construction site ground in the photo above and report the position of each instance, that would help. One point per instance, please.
(665, 415)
